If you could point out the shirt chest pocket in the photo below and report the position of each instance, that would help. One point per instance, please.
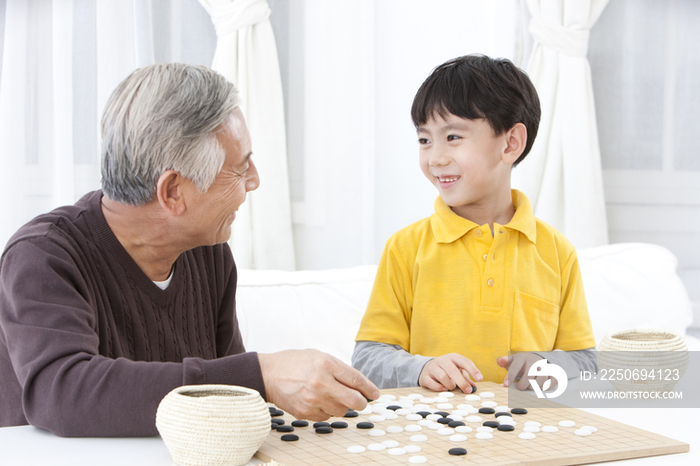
(535, 324)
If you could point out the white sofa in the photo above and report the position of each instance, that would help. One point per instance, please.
(628, 285)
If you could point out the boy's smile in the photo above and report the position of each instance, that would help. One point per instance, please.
(469, 165)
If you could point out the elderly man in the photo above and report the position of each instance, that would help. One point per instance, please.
(107, 305)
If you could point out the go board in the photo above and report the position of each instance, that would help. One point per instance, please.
(611, 441)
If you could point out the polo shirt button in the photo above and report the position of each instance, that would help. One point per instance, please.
(490, 282)
(486, 256)
(478, 233)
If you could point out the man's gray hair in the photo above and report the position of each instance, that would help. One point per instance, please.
(162, 117)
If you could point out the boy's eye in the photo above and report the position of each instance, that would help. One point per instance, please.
(423, 141)
(452, 137)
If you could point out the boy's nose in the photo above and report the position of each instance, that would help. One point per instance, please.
(438, 159)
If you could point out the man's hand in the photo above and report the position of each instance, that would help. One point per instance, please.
(518, 365)
(449, 371)
(313, 385)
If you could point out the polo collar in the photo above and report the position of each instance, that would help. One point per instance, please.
(448, 226)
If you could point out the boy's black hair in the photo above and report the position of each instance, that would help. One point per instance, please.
(477, 86)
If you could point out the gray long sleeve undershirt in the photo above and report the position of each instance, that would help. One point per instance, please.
(390, 366)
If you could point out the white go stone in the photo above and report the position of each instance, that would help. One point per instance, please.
(531, 429)
(484, 436)
(472, 419)
(532, 423)
(376, 418)
(367, 410)
(527, 435)
(433, 417)
(507, 420)
(394, 429)
(417, 459)
(391, 415)
(356, 449)
(439, 399)
(472, 397)
(413, 417)
(379, 407)
(445, 406)
(455, 417)
(472, 411)
(487, 394)
(448, 395)
(390, 443)
(582, 432)
(458, 438)
(550, 429)
(424, 422)
(463, 429)
(413, 428)
(418, 438)
(464, 407)
(591, 429)
(484, 429)
(396, 451)
(435, 426)
(386, 398)
(502, 409)
(412, 448)
(403, 412)
(446, 431)
(427, 400)
(417, 408)
(376, 432)
(489, 404)
(415, 396)
(567, 423)
(376, 447)
(460, 412)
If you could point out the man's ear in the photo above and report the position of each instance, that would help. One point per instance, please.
(170, 192)
(516, 138)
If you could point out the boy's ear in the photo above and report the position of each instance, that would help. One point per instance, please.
(170, 192)
(516, 138)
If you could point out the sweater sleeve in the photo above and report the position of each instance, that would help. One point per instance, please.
(388, 366)
(49, 329)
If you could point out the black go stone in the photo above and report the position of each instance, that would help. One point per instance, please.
(365, 425)
(424, 414)
(273, 426)
(300, 423)
(351, 413)
(393, 407)
(339, 425)
(493, 424)
(277, 421)
(442, 413)
(444, 420)
(503, 413)
(454, 424)
(518, 411)
(457, 451)
(487, 410)
(274, 412)
(321, 424)
(285, 428)
(324, 430)
(506, 428)
(289, 437)
(473, 388)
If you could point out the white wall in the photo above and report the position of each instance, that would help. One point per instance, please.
(354, 69)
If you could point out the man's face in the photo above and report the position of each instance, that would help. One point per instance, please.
(215, 210)
(462, 158)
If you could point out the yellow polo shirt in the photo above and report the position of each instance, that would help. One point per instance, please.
(446, 285)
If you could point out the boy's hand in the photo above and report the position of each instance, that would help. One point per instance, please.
(448, 371)
(518, 365)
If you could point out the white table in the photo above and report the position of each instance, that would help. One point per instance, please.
(20, 446)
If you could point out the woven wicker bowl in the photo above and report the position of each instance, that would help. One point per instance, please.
(208, 425)
(661, 351)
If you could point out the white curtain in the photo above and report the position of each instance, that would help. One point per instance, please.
(60, 61)
(563, 175)
(247, 55)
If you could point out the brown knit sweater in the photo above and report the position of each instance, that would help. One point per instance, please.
(89, 345)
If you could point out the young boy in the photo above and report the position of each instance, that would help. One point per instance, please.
(481, 277)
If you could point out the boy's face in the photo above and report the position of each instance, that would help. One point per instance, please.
(463, 158)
